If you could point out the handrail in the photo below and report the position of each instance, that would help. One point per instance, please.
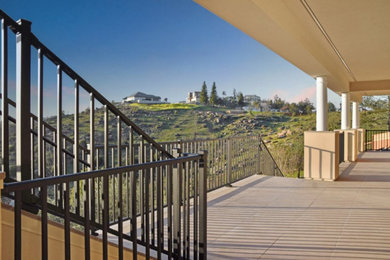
(53, 180)
(262, 142)
(160, 180)
(71, 73)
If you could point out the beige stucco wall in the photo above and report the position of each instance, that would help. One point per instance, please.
(351, 145)
(321, 155)
(361, 139)
(31, 240)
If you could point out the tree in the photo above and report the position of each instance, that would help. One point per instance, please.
(277, 103)
(204, 98)
(305, 106)
(240, 99)
(256, 105)
(331, 107)
(234, 95)
(293, 108)
(213, 95)
(224, 93)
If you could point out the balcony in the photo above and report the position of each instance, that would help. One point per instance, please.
(283, 218)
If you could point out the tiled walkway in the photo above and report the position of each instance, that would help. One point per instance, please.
(271, 217)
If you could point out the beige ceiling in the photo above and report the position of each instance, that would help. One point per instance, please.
(346, 40)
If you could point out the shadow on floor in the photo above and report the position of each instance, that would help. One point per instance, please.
(236, 191)
(353, 174)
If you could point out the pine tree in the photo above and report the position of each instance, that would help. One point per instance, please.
(213, 95)
(240, 99)
(204, 98)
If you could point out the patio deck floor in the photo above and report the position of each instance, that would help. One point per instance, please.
(265, 217)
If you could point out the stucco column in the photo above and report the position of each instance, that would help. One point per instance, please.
(345, 111)
(322, 104)
(355, 115)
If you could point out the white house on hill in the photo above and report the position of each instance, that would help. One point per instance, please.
(193, 97)
(142, 98)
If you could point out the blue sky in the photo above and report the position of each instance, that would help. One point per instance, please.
(166, 48)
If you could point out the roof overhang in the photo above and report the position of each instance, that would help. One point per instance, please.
(346, 41)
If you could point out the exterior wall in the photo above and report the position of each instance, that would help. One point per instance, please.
(361, 139)
(142, 100)
(381, 141)
(321, 155)
(351, 145)
(193, 97)
(31, 240)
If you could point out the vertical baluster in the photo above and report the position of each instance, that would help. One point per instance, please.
(177, 199)
(105, 186)
(67, 221)
(106, 215)
(113, 183)
(169, 206)
(141, 159)
(54, 173)
(131, 162)
(184, 203)
(195, 209)
(44, 248)
(147, 213)
(4, 99)
(43, 158)
(87, 227)
(126, 201)
(18, 226)
(120, 202)
(76, 167)
(92, 152)
(203, 207)
(160, 214)
(153, 174)
(133, 219)
(59, 132)
(59, 121)
(188, 174)
(23, 99)
(32, 154)
(40, 115)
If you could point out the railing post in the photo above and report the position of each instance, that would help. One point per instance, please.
(203, 206)
(259, 158)
(2, 177)
(177, 195)
(258, 164)
(229, 162)
(23, 91)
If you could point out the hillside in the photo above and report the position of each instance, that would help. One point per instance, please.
(282, 133)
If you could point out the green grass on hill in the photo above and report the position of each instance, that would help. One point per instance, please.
(282, 133)
(160, 107)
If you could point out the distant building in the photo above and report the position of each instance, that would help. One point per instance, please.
(142, 98)
(251, 98)
(193, 97)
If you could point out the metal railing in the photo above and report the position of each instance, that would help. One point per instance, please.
(231, 159)
(377, 140)
(145, 197)
(67, 153)
(32, 148)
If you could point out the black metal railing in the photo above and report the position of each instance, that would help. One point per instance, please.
(46, 135)
(164, 203)
(377, 140)
(232, 158)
